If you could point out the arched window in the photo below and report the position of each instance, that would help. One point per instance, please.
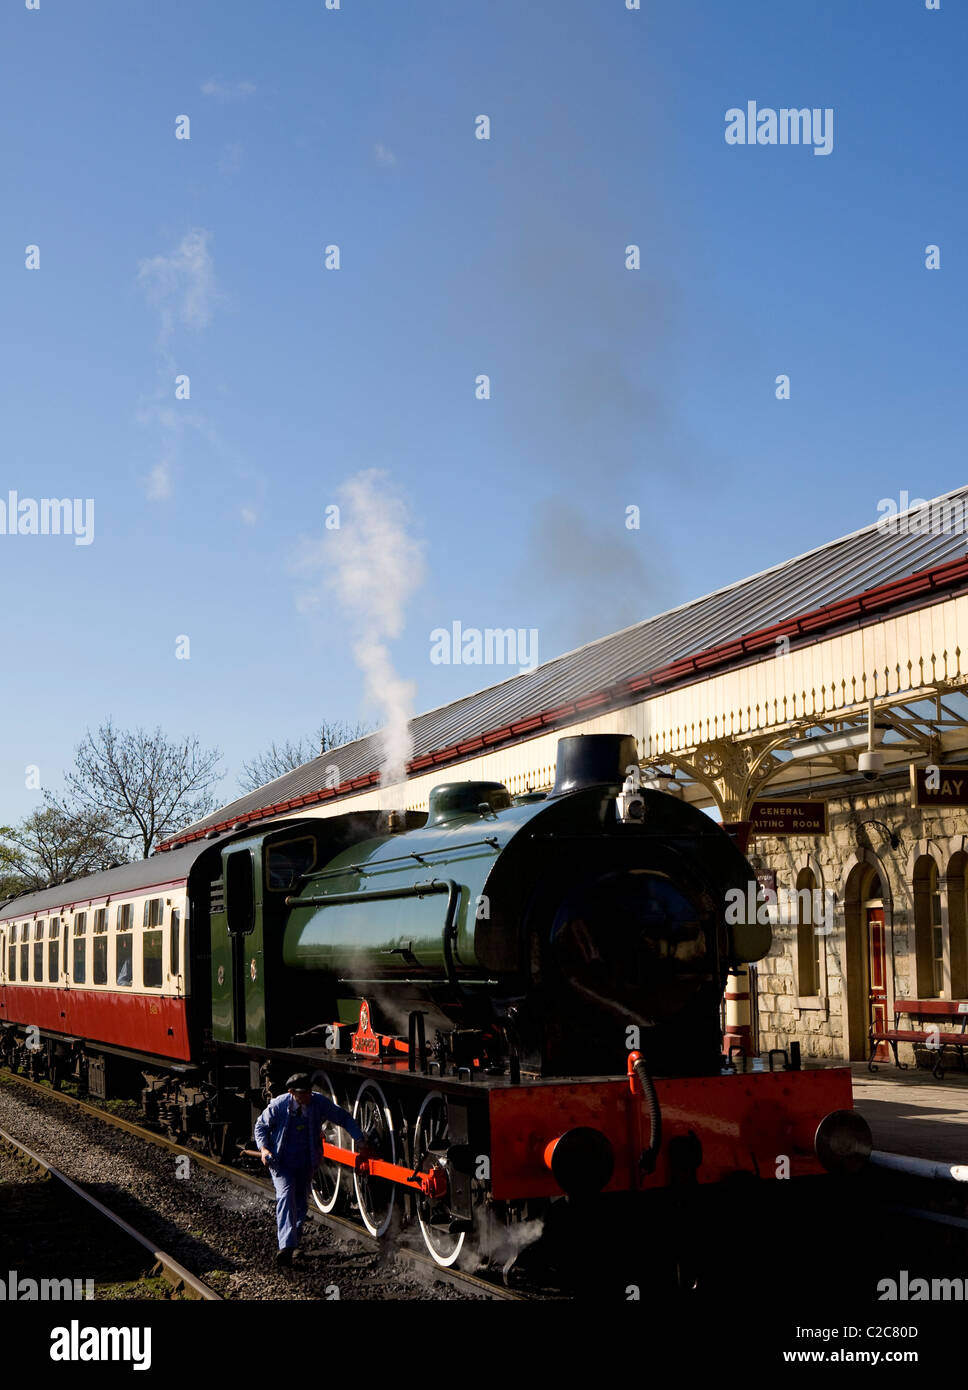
(809, 939)
(928, 936)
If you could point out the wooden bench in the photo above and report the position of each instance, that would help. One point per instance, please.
(925, 1018)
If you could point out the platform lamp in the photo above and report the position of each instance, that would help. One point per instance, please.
(892, 837)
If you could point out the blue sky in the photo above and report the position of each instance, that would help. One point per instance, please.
(609, 387)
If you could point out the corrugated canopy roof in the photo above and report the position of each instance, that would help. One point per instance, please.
(838, 570)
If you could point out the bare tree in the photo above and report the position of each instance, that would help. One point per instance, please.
(284, 758)
(54, 846)
(147, 785)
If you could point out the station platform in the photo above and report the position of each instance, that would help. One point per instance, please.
(910, 1112)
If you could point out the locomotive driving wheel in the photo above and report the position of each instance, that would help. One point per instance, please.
(375, 1196)
(327, 1180)
(431, 1139)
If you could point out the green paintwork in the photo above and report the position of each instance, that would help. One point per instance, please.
(240, 950)
(357, 939)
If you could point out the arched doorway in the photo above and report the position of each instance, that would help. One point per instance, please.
(866, 913)
(957, 885)
(809, 939)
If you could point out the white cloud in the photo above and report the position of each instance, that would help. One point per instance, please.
(249, 515)
(227, 91)
(181, 286)
(384, 155)
(159, 482)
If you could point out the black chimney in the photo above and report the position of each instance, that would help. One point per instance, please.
(593, 760)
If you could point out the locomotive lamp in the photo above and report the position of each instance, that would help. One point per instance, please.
(629, 804)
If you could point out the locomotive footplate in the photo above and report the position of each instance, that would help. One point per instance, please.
(764, 1124)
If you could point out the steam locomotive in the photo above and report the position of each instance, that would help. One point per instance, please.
(518, 998)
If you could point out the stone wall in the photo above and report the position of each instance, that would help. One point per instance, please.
(819, 1022)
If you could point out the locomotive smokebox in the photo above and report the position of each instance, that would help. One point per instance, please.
(591, 760)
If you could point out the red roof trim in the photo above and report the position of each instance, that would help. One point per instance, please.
(938, 581)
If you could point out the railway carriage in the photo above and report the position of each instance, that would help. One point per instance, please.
(102, 967)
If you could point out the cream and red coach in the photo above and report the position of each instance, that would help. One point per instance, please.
(102, 968)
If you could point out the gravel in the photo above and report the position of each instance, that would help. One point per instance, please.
(223, 1233)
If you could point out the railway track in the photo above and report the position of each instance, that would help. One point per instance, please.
(467, 1282)
(64, 1205)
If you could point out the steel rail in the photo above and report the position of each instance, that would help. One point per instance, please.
(176, 1274)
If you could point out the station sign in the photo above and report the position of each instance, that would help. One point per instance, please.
(789, 817)
(936, 785)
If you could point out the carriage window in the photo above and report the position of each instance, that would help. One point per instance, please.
(80, 960)
(286, 863)
(125, 947)
(100, 947)
(154, 912)
(151, 959)
(174, 960)
(53, 931)
(12, 955)
(80, 948)
(24, 951)
(125, 916)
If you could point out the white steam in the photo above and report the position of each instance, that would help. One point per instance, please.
(375, 565)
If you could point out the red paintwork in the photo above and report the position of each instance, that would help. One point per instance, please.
(140, 1022)
(931, 586)
(434, 1183)
(366, 1043)
(744, 1123)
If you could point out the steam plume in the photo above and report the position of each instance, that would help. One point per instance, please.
(375, 567)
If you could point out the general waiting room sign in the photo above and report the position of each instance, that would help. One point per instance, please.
(789, 817)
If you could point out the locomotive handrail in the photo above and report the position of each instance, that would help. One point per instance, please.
(374, 864)
(411, 890)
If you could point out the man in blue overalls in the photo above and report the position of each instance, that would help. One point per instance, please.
(289, 1136)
